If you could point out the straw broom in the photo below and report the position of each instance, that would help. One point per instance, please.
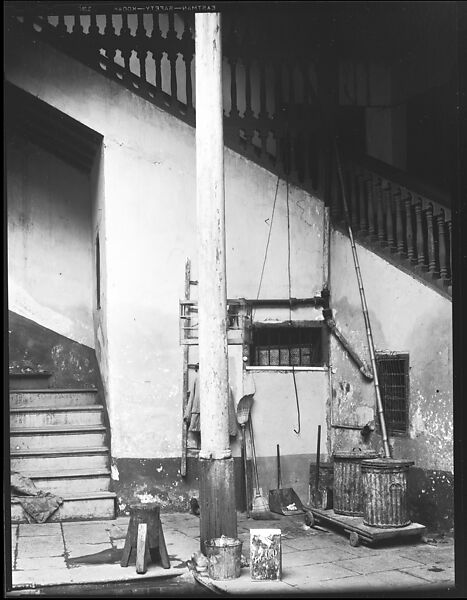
(243, 414)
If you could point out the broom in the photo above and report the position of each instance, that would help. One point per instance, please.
(260, 507)
(243, 413)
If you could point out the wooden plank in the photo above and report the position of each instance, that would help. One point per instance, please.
(142, 549)
(370, 533)
(186, 351)
(165, 562)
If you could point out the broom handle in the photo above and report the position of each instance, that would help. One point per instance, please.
(252, 439)
(245, 469)
(279, 482)
(318, 451)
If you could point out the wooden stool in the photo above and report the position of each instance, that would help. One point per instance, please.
(145, 535)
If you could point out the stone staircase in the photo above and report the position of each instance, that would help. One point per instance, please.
(58, 439)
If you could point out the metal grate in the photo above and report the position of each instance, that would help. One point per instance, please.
(287, 346)
(393, 375)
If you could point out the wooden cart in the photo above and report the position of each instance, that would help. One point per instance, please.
(358, 532)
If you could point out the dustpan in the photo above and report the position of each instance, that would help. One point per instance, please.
(284, 501)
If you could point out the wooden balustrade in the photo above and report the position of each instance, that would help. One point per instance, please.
(273, 118)
(399, 220)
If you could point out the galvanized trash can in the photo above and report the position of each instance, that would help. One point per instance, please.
(385, 492)
(348, 493)
(224, 555)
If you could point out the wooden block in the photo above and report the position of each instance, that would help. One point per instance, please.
(142, 549)
(265, 555)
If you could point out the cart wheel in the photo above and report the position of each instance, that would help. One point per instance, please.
(354, 539)
(309, 519)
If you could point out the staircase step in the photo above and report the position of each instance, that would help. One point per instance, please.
(53, 397)
(76, 507)
(30, 380)
(71, 481)
(49, 415)
(26, 461)
(56, 436)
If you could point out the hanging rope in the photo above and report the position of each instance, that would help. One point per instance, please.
(296, 399)
(290, 301)
(288, 249)
(267, 243)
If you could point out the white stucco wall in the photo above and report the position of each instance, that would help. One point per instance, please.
(145, 211)
(49, 241)
(405, 316)
(146, 190)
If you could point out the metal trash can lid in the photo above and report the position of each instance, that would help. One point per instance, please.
(382, 463)
(356, 453)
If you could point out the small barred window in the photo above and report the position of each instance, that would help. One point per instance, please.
(393, 376)
(282, 346)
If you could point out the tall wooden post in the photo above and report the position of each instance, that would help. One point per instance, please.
(216, 471)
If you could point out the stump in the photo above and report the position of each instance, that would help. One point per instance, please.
(146, 542)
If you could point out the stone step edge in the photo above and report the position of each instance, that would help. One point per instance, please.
(76, 497)
(56, 429)
(56, 391)
(44, 409)
(60, 451)
(65, 474)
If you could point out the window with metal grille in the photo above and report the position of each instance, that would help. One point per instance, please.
(281, 346)
(393, 376)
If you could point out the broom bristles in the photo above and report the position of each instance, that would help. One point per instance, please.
(260, 504)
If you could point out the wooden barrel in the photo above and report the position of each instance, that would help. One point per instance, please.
(224, 556)
(348, 482)
(385, 492)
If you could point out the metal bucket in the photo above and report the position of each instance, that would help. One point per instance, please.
(348, 491)
(385, 492)
(224, 555)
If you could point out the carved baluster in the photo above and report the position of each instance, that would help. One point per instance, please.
(334, 190)
(399, 225)
(263, 118)
(321, 184)
(156, 50)
(419, 235)
(449, 224)
(388, 205)
(307, 148)
(278, 114)
(92, 40)
(93, 31)
(126, 40)
(61, 27)
(188, 54)
(353, 197)
(141, 51)
(291, 132)
(370, 196)
(248, 114)
(77, 31)
(443, 267)
(431, 241)
(379, 200)
(409, 228)
(362, 214)
(172, 55)
(109, 41)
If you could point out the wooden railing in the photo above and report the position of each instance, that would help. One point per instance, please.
(400, 220)
(272, 117)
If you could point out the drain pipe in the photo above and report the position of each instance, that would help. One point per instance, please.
(379, 403)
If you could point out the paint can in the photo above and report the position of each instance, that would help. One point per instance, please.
(385, 492)
(348, 490)
(224, 555)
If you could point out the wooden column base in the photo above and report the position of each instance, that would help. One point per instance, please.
(218, 514)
